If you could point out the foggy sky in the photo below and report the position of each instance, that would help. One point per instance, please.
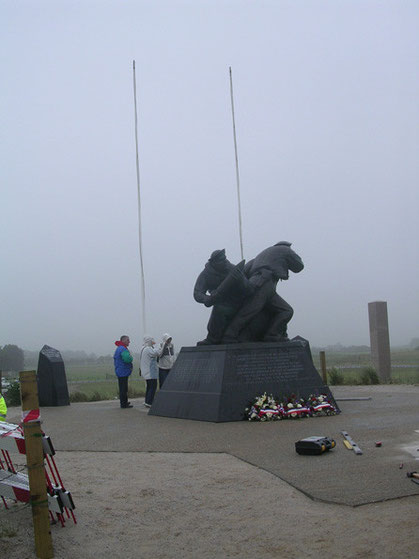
(326, 100)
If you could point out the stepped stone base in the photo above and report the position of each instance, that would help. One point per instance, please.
(216, 383)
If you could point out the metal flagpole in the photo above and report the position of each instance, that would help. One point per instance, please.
(139, 204)
(237, 165)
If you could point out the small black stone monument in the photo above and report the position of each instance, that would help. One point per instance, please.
(217, 382)
(52, 380)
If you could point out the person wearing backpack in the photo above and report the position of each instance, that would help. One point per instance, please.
(123, 368)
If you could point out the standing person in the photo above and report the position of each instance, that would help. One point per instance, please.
(3, 408)
(148, 368)
(166, 358)
(123, 368)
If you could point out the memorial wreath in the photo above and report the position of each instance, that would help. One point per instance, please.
(267, 408)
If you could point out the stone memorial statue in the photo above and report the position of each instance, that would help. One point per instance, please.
(216, 379)
(244, 301)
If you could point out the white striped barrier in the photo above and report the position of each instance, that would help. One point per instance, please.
(12, 439)
(15, 485)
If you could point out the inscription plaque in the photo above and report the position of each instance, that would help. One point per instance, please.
(216, 383)
(197, 371)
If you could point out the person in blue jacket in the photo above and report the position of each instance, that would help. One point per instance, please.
(123, 368)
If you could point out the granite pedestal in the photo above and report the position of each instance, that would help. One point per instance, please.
(217, 382)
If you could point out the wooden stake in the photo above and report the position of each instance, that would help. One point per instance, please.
(36, 467)
(323, 366)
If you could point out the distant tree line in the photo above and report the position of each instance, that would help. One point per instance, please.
(77, 357)
(14, 359)
(11, 358)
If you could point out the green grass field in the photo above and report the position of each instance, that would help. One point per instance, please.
(97, 381)
(91, 382)
(90, 371)
(103, 390)
(405, 365)
(405, 370)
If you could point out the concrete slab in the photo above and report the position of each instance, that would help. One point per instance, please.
(338, 476)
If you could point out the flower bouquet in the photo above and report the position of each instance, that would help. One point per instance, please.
(296, 408)
(264, 408)
(321, 405)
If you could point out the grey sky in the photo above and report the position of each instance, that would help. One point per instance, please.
(326, 99)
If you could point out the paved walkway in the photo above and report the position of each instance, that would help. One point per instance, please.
(338, 476)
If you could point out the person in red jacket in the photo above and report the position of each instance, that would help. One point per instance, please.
(123, 368)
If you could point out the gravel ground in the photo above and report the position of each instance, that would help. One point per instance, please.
(160, 505)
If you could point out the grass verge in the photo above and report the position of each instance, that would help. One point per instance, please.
(106, 390)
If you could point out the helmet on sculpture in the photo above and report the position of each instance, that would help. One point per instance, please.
(218, 255)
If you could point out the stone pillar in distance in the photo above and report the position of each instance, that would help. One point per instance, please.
(379, 339)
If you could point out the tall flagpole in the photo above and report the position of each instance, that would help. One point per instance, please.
(237, 166)
(140, 243)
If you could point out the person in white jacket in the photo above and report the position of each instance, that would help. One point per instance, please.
(166, 358)
(148, 368)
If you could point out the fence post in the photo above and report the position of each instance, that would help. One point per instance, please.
(323, 366)
(35, 463)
